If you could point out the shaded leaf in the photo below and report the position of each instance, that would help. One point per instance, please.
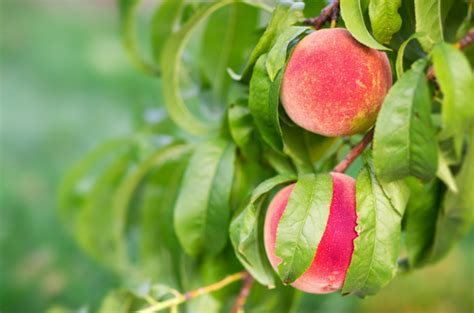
(246, 232)
(456, 215)
(228, 36)
(160, 253)
(127, 12)
(444, 173)
(420, 220)
(78, 181)
(163, 23)
(242, 130)
(456, 81)
(94, 230)
(401, 53)
(171, 66)
(124, 194)
(264, 99)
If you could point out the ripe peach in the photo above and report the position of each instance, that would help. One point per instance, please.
(333, 85)
(334, 253)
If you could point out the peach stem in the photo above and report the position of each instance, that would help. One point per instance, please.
(355, 152)
(238, 306)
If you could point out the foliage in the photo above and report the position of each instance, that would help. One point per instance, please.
(171, 212)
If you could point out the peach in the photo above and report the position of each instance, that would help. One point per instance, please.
(334, 253)
(333, 85)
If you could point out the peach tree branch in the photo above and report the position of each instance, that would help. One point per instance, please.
(181, 298)
(355, 152)
(329, 13)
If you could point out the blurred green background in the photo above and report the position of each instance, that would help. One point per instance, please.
(65, 86)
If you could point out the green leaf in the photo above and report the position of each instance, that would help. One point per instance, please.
(171, 67)
(128, 187)
(277, 55)
(127, 11)
(72, 191)
(428, 22)
(352, 15)
(456, 215)
(163, 22)
(285, 14)
(385, 19)
(278, 161)
(379, 212)
(420, 220)
(298, 148)
(246, 232)
(264, 99)
(456, 81)
(202, 211)
(94, 230)
(160, 253)
(264, 300)
(401, 53)
(118, 301)
(242, 130)
(248, 174)
(444, 173)
(306, 149)
(302, 225)
(227, 38)
(404, 140)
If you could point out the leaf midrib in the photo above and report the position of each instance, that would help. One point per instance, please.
(299, 236)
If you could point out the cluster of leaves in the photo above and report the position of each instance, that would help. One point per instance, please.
(188, 212)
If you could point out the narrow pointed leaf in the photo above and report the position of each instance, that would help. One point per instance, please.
(376, 249)
(456, 215)
(277, 55)
(284, 15)
(202, 211)
(264, 99)
(428, 22)
(246, 232)
(163, 22)
(352, 14)
(302, 225)
(404, 140)
(456, 80)
(171, 67)
(420, 220)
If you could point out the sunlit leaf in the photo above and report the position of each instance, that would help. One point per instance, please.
(352, 14)
(404, 140)
(302, 225)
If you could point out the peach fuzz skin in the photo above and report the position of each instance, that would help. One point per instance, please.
(333, 85)
(334, 253)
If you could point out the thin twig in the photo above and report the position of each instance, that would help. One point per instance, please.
(173, 302)
(242, 297)
(355, 152)
(329, 13)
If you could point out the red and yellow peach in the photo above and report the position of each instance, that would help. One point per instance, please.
(334, 253)
(333, 85)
